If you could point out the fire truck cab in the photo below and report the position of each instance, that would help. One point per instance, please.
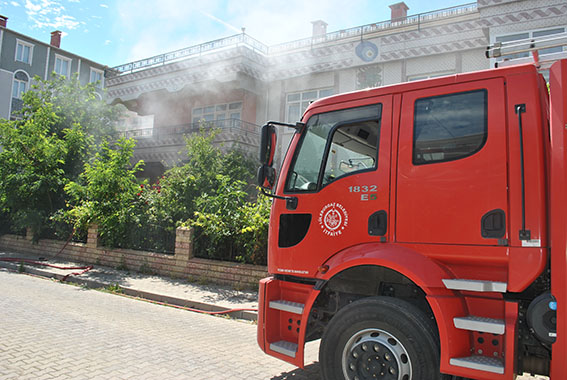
(419, 230)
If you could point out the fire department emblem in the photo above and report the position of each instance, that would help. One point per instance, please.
(333, 219)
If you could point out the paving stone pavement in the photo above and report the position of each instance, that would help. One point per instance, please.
(55, 331)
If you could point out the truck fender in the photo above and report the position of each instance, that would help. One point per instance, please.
(422, 271)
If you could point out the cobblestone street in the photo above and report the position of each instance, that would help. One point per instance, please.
(57, 331)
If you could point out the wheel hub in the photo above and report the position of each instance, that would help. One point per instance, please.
(375, 354)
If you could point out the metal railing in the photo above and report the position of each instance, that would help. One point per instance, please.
(416, 20)
(223, 43)
(227, 125)
(245, 40)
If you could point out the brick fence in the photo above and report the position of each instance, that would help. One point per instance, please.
(182, 264)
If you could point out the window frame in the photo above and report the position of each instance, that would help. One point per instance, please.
(63, 59)
(301, 100)
(23, 44)
(530, 35)
(100, 81)
(327, 147)
(20, 93)
(20, 82)
(217, 109)
(472, 153)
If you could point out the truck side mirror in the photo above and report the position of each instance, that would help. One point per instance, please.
(268, 141)
(266, 177)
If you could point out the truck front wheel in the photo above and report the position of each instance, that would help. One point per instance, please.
(380, 338)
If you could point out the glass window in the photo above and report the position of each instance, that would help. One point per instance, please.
(217, 112)
(354, 148)
(23, 52)
(294, 97)
(526, 35)
(20, 85)
(298, 102)
(62, 65)
(96, 77)
(449, 127)
(18, 89)
(325, 93)
(542, 33)
(354, 144)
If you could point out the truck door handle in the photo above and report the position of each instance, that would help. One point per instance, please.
(378, 223)
(493, 224)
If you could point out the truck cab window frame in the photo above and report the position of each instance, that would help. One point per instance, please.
(449, 127)
(328, 138)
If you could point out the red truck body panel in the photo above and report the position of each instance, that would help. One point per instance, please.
(558, 216)
(434, 214)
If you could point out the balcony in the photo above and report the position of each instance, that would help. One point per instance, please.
(245, 40)
(167, 144)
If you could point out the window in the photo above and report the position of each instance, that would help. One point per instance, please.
(297, 102)
(449, 127)
(62, 65)
(368, 77)
(354, 135)
(96, 77)
(24, 52)
(353, 148)
(218, 112)
(526, 35)
(20, 85)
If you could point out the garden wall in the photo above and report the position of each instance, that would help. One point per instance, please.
(180, 265)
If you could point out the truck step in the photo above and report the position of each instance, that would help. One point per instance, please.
(481, 324)
(481, 363)
(475, 285)
(284, 347)
(292, 307)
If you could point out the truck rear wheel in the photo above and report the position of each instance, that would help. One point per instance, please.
(380, 338)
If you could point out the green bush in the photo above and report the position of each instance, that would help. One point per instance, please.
(229, 227)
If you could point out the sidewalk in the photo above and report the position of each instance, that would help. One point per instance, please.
(177, 292)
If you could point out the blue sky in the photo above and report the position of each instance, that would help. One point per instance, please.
(113, 32)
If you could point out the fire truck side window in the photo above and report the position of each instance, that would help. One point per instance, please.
(449, 127)
(355, 135)
(354, 148)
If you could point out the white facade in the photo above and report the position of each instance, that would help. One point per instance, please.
(271, 78)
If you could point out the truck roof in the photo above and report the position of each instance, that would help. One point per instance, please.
(426, 83)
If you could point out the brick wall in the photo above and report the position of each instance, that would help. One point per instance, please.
(180, 265)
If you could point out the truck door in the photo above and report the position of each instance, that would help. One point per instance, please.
(452, 171)
(340, 176)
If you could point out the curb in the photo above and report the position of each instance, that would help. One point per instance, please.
(91, 284)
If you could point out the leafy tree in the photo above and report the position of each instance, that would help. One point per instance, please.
(107, 193)
(46, 147)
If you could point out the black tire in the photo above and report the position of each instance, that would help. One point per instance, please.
(380, 337)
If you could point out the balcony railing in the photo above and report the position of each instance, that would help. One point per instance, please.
(415, 20)
(192, 51)
(246, 40)
(227, 125)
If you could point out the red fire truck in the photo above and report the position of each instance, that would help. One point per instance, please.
(420, 229)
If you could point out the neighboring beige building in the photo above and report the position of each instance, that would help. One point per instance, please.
(239, 83)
